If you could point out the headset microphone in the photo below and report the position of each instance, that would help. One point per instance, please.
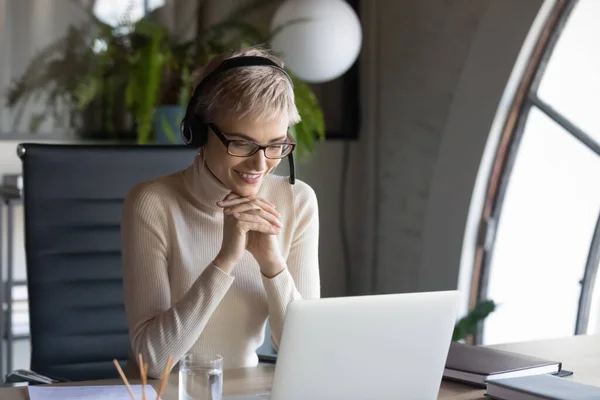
(292, 168)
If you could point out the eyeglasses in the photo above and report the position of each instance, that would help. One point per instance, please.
(246, 148)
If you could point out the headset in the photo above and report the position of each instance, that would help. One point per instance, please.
(194, 128)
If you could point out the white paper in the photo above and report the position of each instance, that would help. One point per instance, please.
(117, 392)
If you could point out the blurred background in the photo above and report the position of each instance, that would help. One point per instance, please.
(452, 144)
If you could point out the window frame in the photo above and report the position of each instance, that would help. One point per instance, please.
(145, 6)
(526, 98)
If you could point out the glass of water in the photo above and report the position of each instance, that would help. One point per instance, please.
(201, 377)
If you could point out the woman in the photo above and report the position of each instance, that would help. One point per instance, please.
(212, 251)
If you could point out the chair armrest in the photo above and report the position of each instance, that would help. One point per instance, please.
(33, 378)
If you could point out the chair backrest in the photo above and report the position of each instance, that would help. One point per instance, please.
(72, 196)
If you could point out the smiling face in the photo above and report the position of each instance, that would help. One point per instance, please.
(243, 175)
(254, 103)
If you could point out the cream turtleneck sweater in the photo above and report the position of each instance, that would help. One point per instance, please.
(178, 301)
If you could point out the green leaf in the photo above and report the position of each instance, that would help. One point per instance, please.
(185, 91)
(36, 121)
(87, 91)
(312, 126)
(248, 8)
(469, 324)
(244, 30)
(138, 65)
(167, 130)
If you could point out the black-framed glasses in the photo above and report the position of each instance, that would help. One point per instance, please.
(247, 148)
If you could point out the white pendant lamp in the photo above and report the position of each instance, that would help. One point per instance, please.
(322, 38)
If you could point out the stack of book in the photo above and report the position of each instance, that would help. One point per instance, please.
(540, 387)
(476, 365)
(512, 376)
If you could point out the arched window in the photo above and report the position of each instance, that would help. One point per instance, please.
(540, 229)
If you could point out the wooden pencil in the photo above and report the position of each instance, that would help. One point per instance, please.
(165, 377)
(124, 378)
(142, 375)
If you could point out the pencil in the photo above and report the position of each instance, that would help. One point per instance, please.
(142, 374)
(125, 381)
(165, 377)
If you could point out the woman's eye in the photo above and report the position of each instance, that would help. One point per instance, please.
(243, 145)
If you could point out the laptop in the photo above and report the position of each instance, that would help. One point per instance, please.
(380, 347)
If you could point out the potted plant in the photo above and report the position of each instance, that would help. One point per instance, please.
(158, 83)
(135, 77)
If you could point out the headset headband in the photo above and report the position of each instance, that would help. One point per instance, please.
(228, 64)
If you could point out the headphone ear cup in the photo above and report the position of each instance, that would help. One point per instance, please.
(200, 131)
(194, 131)
(186, 134)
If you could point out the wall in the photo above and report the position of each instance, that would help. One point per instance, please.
(433, 72)
(421, 64)
(443, 67)
(27, 27)
(434, 76)
(453, 215)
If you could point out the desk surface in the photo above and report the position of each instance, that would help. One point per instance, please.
(580, 354)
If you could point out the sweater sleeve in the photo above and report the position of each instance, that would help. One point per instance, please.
(157, 328)
(300, 280)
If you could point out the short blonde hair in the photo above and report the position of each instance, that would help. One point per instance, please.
(259, 93)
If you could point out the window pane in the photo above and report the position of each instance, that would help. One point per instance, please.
(112, 11)
(571, 82)
(154, 4)
(544, 233)
(593, 326)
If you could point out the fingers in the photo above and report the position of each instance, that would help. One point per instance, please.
(265, 215)
(242, 208)
(273, 215)
(231, 201)
(253, 210)
(262, 203)
(251, 222)
(268, 206)
(266, 201)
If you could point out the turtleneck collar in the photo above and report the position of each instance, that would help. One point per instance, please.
(203, 185)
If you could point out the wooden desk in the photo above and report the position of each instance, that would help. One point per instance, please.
(580, 354)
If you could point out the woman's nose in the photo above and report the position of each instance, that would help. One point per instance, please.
(259, 161)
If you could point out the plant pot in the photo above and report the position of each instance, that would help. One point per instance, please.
(125, 136)
(165, 124)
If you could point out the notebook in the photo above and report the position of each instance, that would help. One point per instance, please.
(113, 392)
(475, 364)
(541, 387)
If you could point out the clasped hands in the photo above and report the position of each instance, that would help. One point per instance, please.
(250, 223)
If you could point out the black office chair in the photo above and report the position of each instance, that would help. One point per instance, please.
(266, 352)
(72, 196)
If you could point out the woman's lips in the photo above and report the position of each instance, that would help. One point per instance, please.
(249, 177)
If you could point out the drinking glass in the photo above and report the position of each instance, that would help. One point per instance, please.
(201, 377)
